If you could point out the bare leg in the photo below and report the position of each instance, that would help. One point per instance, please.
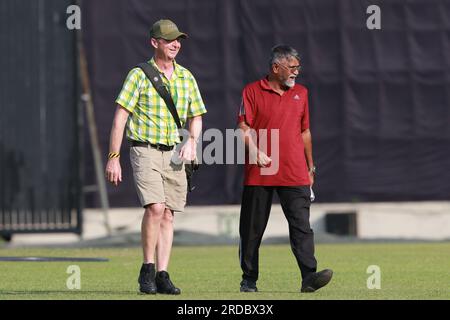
(150, 229)
(165, 239)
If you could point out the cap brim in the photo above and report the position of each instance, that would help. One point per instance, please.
(175, 35)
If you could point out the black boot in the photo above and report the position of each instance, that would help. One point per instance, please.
(164, 285)
(147, 279)
(316, 280)
(248, 286)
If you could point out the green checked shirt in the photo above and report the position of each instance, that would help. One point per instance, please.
(150, 119)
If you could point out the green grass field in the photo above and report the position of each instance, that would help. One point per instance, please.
(408, 271)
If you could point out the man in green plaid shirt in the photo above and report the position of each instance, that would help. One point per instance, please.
(152, 131)
(151, 120)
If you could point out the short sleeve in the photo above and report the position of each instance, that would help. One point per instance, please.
(305, 117)
(246, 108)
(129, 95)
(196, 105)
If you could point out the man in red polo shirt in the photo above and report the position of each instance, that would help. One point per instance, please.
(275, 109)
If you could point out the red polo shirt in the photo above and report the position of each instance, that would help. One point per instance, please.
(263, 108)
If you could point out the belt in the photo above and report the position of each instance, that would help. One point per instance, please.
(158, 146)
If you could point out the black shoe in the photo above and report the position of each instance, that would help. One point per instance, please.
(316, 280)
(164, 285)
(248, 286)
(146, 279)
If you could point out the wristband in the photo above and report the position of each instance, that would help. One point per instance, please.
(113, 155)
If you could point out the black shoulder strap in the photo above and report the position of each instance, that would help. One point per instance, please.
(155, 78)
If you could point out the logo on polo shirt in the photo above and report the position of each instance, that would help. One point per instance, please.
(296, 97)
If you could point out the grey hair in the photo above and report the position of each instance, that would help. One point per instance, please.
(281, 52)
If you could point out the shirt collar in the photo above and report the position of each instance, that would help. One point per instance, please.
(177, 73)
(264, 83)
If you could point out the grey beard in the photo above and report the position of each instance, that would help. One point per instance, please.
(289, 83)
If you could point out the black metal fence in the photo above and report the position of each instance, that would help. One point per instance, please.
(40, 119)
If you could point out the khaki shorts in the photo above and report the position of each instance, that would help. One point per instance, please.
(157, 178)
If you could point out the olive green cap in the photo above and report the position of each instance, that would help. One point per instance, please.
(166, 30)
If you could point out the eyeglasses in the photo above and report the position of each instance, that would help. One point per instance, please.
(291, 68)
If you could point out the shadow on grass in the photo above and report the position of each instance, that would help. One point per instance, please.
(69, 292)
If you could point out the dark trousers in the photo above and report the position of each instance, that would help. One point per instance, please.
(255, 210)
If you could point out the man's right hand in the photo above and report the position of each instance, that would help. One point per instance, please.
(263, 160)
(114, 171)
